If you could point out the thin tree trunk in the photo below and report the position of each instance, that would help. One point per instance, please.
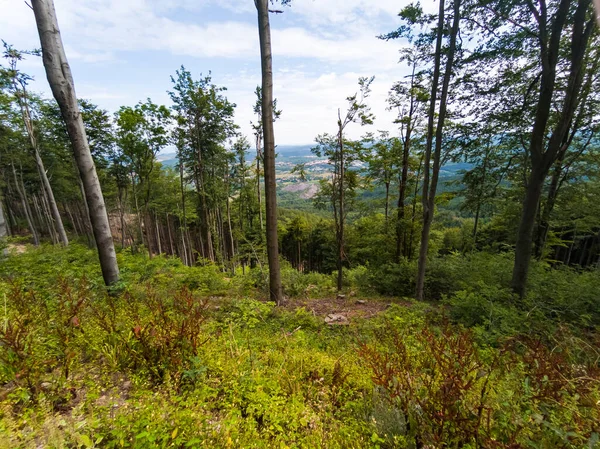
(276, 292)
(258, 193)
(49, 194)
(60, 78)
(340, 224)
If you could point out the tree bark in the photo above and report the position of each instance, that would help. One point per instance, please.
(61, 82)
(276, 292)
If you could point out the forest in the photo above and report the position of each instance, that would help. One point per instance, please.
(435, 286)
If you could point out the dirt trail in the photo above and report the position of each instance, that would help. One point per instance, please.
(349, 307)
(16, 248)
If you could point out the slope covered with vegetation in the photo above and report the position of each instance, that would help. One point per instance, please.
(177, 356)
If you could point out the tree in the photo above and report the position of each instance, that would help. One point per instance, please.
(141, 134)
(381, 158)
(268, 116)
(409, 99)
(555, 38)
(61, 83)
(205, 121)
(343, 180)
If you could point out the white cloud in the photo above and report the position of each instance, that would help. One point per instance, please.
(320, 48)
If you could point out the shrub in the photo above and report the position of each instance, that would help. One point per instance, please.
(448, 392)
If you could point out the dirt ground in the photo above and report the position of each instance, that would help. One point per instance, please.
(16, 248)
(348, 307)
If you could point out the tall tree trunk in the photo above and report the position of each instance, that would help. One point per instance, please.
(429, 195)
(276, 292)
(340, 215)
(258, 194)
(59, 76)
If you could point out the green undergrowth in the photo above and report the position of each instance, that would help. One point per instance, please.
(179, 356)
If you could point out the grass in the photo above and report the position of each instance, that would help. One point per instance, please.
(181, 356)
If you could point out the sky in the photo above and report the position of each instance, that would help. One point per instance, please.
(125, 51)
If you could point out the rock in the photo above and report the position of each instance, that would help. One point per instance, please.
(361, 301)
(335, 319)
(45, 386)
(340, 296)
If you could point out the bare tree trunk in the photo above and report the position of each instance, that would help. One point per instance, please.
(276, 292)
(341, 217)
(60, 79)
(259, 195)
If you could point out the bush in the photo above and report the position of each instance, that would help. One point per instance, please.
(447, 392)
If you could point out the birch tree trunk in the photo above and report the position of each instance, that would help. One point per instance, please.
(61, 82)
(264, 31)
